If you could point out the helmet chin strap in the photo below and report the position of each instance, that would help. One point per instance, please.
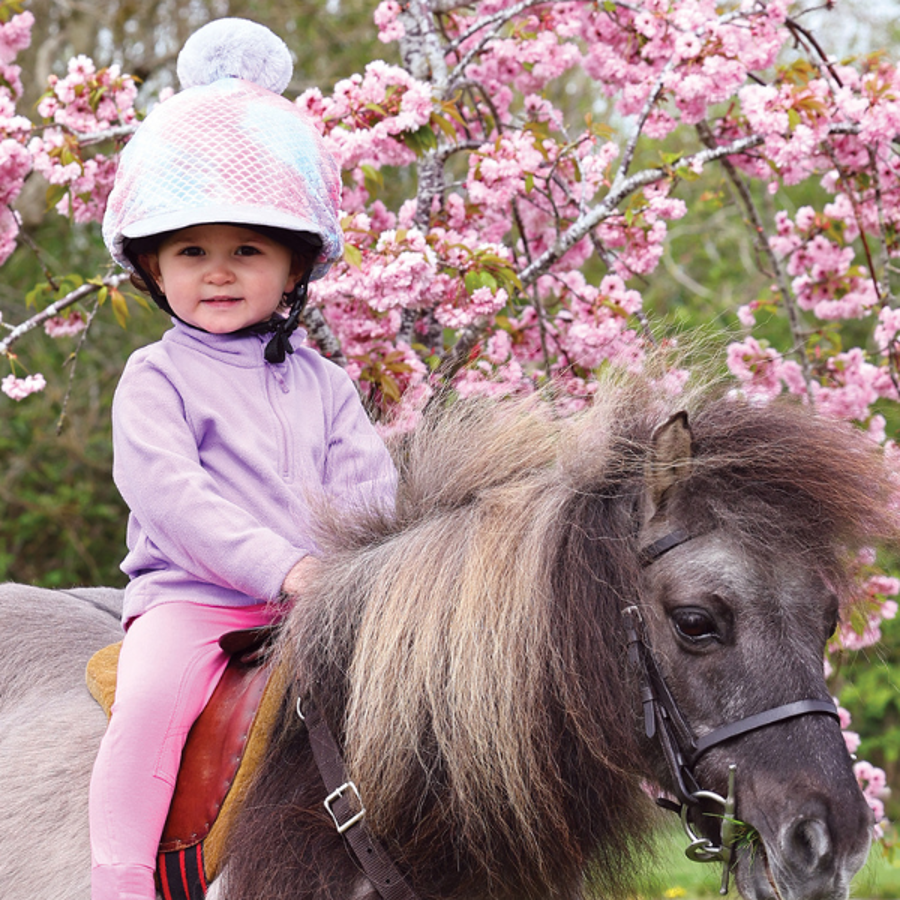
(280, 345)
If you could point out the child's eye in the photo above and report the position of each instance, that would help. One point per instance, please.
(191, 251)
(247, 250)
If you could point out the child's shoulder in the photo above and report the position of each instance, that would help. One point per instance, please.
(322, 368)
(143, 355)
(162, 358)
(305, 355)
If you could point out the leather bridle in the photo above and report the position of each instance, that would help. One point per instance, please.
(662, 720)
(682, 751)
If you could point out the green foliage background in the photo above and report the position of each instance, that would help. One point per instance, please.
(63, 520)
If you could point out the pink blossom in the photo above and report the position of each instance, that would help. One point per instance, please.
(15, 164)
(757, 367)
(844, 716)
(659, 124)
(852, 387)
(483, 303)
(876, 429)
(15, 35)
(852, 741)
(646, 23)
(873, 783)
(19, 388)
(9, 230)
(65, 326)
(390, 28)
(758, 103)
(888, 325)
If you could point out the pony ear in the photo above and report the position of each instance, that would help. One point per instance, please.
(670, 459)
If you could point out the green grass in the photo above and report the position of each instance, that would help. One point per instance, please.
(675, 876)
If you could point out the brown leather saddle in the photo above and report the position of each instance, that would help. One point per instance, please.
(222, 751)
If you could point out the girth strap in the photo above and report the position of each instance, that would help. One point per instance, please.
(345, 807)
(760, 720)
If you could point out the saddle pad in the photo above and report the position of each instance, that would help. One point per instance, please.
(223, 749)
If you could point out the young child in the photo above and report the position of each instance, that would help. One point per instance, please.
(225, 435)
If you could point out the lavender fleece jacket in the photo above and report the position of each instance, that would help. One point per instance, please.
(219, 456)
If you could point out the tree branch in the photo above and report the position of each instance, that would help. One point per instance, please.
(55, 308)
(631, 146)
(321, 334)
(497, 20)
(763, 242)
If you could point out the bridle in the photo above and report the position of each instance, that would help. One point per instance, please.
(664, 721)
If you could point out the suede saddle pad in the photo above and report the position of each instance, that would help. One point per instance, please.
(223, 748)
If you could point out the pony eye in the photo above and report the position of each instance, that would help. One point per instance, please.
(694, 625)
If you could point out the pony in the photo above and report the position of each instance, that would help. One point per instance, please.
(472, 654)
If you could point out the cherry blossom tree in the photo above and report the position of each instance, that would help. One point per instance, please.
(508, 193)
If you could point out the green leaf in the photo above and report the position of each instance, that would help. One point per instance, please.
(120, 307)
(55, 193)
(353, 255)
(70, 283)
(420, 141)
(686, 173)
(445, 125)
(374, 180)
(390, 388)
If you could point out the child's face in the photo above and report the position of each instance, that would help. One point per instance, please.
(222, 278)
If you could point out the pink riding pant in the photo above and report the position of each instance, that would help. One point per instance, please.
(169, 666)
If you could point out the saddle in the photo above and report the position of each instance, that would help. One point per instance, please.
(220, 756)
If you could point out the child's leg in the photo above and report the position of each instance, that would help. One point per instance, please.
(169, 666)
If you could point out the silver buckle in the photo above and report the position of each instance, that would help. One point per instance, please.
(335, 795)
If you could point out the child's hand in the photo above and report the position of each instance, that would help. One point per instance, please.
(296, 580)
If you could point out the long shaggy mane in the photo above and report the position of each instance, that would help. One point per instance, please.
(467, 649)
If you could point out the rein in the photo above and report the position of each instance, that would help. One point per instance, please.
(681, 749)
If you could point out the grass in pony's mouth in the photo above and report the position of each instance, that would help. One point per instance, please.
(675, 877)
(746, 837)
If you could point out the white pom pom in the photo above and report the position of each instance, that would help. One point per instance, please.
(235, 48)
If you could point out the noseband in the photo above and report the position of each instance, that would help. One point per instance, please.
(664, 721)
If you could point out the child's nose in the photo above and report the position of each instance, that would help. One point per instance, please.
(219, 271)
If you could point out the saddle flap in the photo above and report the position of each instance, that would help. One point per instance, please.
(212, 755)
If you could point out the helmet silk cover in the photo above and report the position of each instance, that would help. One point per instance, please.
(229, 151)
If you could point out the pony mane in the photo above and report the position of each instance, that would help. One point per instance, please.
(468, 648)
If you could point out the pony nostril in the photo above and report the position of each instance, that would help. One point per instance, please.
(809, 843)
